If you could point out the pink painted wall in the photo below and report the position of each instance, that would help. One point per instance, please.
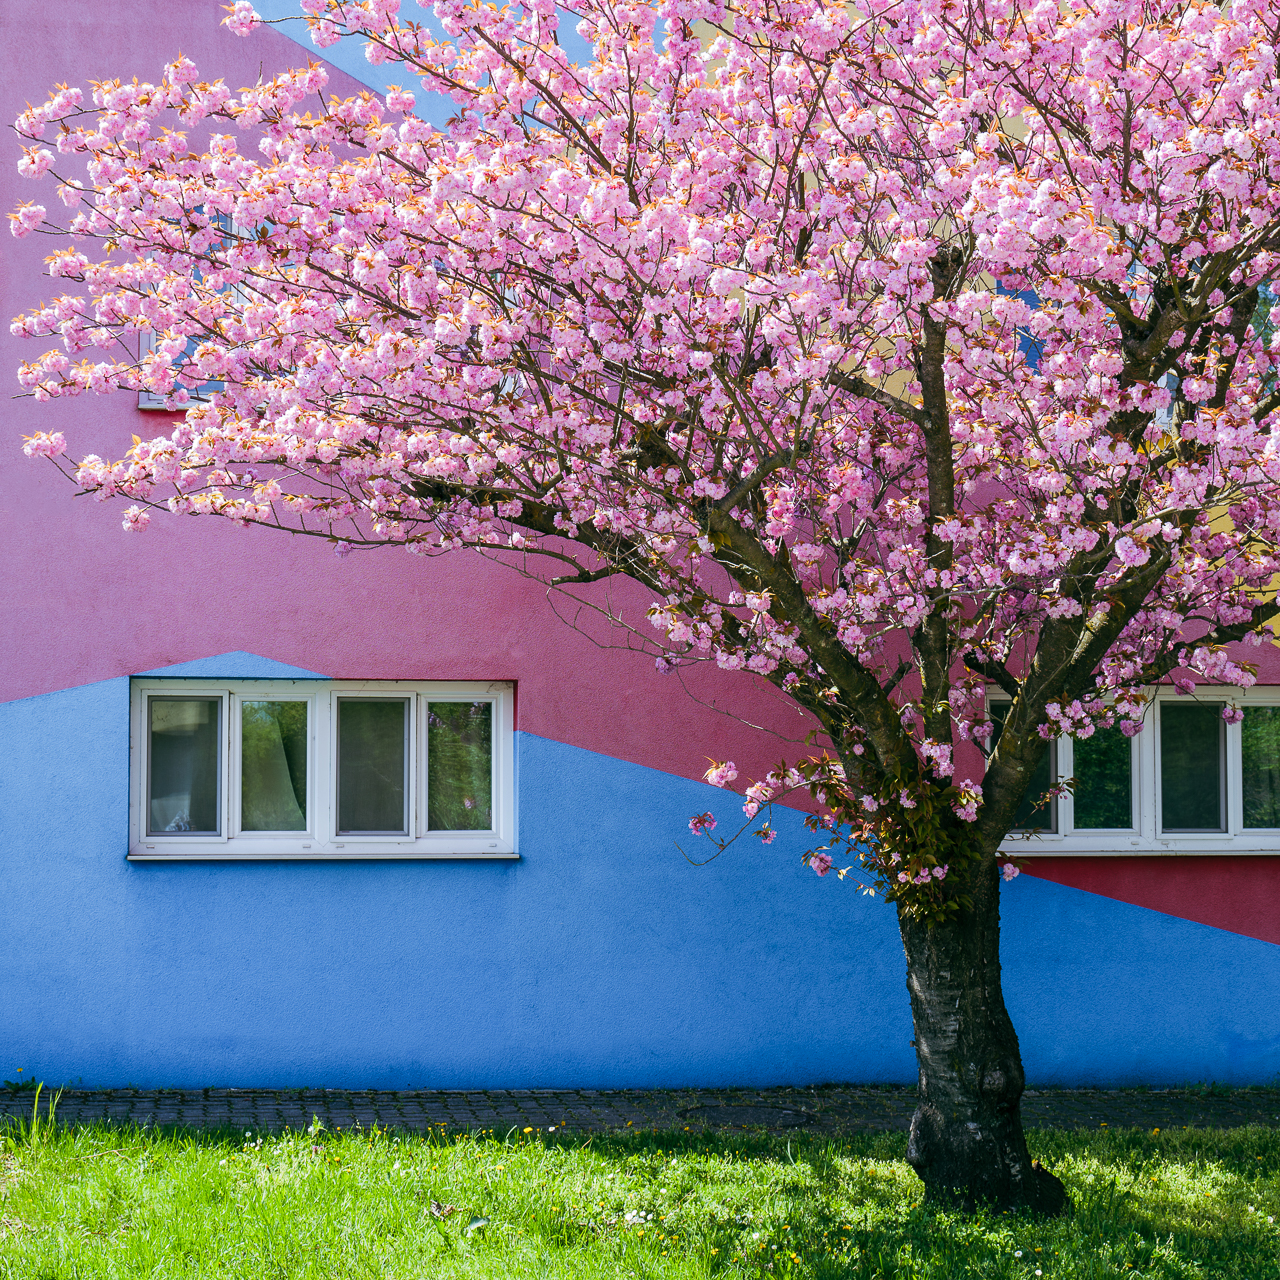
(1235, 893)
(80, 600)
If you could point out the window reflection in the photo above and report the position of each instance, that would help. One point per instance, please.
(459, 766)
(1191, 750)
(373, 762)
(183, 765)
(273, 766)
(1104, 781)
(1260, 751)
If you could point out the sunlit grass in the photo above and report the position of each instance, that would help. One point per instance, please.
(126, 1203)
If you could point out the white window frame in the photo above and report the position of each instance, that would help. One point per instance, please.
(1145, 837)
(149, 400)
(322, 841)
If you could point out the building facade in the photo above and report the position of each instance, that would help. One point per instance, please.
(515, 907)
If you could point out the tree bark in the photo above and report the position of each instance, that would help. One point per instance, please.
(966, 1141)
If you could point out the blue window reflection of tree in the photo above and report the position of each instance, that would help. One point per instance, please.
(1031, 347)
(148, 342)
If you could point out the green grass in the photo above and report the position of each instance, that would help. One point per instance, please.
(109, 1202)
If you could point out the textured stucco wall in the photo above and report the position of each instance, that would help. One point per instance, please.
(601, 958)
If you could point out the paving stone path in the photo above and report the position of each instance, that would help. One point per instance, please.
(825, 1109)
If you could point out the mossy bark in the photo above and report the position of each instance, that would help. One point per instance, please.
(967, 1142)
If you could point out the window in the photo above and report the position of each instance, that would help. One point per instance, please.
(149, 340)
(1035, 813)
(319, 769)
(1188, 783)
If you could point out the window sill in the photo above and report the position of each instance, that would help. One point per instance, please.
(1220, 847)
(389, 855)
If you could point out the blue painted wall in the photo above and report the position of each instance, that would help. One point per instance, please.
(1103, 992)
(601, 959)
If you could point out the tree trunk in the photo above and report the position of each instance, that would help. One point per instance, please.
(966, 1142)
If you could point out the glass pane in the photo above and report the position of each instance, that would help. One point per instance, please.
(460, 766)
(373, 758)
(1031, 814)
(273, 766)
(1191, 766)
(1260, 746)
(183, 782)
(1104, 780)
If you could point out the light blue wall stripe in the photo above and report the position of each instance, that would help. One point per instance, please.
(601, 959)
(348, 54)
(235, 666)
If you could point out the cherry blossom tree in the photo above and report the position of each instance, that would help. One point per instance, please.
(902, 351)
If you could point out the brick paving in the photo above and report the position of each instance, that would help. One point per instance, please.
(830, 1109)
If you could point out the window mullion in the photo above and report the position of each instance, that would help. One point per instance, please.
(1234, 780)
(231, 785)
(418, 771)
(1066, 801)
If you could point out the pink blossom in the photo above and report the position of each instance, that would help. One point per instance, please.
(324, 33)
(702, 822)
(35, 162)
(939, 755)
(26, 219)
(136, 519)
(1232, 714)
(721, 774)
(41, 445)
(767, 834)
(1008, 871)
(1130, 553)
(639, 356)
(967, 801)
(242, 18)
(820, 862)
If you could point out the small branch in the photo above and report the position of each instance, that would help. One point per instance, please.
(894, 680)
(771, 464)
(994, 671)
(861, 387)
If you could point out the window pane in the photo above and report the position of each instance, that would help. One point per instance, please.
(1031, 814)
(183, 783)
(1104, 780)
(1191, 766)
(373, 758)
(1260, 745)
(459, 766)
(273, 766)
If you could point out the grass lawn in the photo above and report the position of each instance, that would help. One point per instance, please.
(129, 1203)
